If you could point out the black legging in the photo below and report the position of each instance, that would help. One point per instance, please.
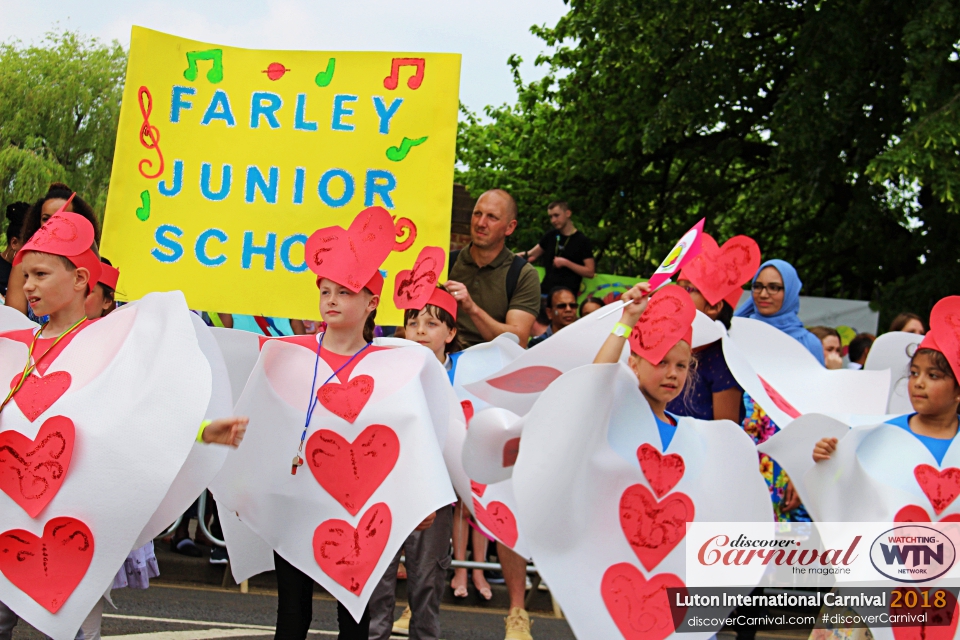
(295, 607)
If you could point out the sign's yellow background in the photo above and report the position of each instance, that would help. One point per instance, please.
(234, 256)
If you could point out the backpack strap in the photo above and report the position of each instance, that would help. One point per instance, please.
(513, 276)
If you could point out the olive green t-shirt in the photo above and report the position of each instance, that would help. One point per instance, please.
(488, 288)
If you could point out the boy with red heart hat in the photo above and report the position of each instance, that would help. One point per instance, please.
(365, 424)
(61, 269)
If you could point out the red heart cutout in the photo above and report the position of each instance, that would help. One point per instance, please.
(639, 607)
(916, 513)
(64, 234)
(498, 518)
(941, 623)
(352, 471)
(720, 272)
(350, 257)
(940, 487)
(779, 400)
(666, 320)
(511, 449)
(653, 528)
(32, 471)
(478, 488)
(47, 569)
(526, 380)
(346, 400)
(38, 393)
(662, 472)
(350, 555)
(413, 287)
(944, 334)
(467, 407)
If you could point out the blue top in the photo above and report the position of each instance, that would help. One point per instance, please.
(711, 376)
(936, 446)
(666, 429)
(452, 371)
(786, 319)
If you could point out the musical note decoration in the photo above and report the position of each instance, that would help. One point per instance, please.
(393, 80)
(149, 136)
(143, 211)
(396, 154)
(215, 74)
(324, 78)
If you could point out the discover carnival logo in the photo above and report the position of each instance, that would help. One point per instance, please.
(912, 553)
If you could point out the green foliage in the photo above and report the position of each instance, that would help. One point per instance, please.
(796, 122)
(59, 106)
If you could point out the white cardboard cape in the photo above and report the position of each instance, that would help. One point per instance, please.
(139, 388)
(584, 501)
(890, 352)
(404, 420)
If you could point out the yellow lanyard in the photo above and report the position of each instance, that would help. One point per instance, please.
(28, 367)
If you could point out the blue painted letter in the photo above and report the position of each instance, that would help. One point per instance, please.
(201, 248)
(386, 113)
(177, 181)
(323, 188)
(177, 103)
(266, 104)
(339, 111)
(219, 109)
(379, 183)
(226, 173)
(285, 246)
(256, 182)
(165, 236)
(299, 119)
(268, 250)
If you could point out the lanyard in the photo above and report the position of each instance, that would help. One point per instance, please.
(315, 397)
(28, 367)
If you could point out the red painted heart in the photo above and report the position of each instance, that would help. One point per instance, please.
(720, 272)
(498, 519)
(32, 471)
(413, 287)
(940, 487)
(666, 320)
(654, 528)
(47, 569)
(467, 407)
(350, 555)
(346, 400)
(639, 607)
(511, 449)
(351, 256)
(478, 488)
(352, 471)
(940, 624)
(526, 380)
(916, 513)
(38, 393)
(945, 329)
(662, 472)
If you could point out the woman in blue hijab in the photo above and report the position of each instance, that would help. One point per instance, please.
(776, 301)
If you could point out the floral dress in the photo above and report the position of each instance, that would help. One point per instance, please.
(760, 427)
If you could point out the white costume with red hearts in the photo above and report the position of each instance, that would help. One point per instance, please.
(593, 484)
(110, 422)
(373, 467)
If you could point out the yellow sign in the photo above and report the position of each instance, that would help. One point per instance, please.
(227, 159)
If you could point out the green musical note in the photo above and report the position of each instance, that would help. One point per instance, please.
(143, 212)
(326, 77)
(215, 74)
(396, 154)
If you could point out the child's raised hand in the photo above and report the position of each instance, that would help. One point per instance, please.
(824, 449)
(228, 431)
(636, 300)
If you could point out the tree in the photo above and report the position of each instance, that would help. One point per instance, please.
(779, 119)
(59, 106)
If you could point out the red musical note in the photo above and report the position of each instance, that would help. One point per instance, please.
(149, 135)
(391, 81)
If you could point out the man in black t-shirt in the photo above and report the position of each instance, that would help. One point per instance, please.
(565, 253)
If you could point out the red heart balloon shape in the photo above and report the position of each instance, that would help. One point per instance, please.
(720, 272)
(47, 569)
(940, 487)
(351, 256)
(941, 623)
(639, 607)
(346, 400)
(666, 320)
(498, 519)
(38, 393)
(654, 528)
(350, 555)
(662, 472)
(352, 471)
(413, 287)
(526, 380)
(32, 471)
(945, 330)
(511, 449)
(478, 488)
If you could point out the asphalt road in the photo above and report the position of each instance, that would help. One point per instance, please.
(196, 613)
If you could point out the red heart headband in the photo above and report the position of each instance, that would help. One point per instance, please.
(944, 334)
(720, 272)
(416, 288)
(352, 257)
(667, 320)
(69, 235)
(109, 276)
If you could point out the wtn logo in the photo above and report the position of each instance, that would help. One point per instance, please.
(912, 554)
